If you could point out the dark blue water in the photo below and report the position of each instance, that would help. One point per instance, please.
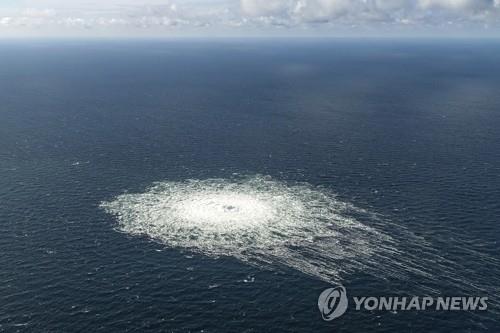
(405, 130)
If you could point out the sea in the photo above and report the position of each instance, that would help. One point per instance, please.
(221, 185)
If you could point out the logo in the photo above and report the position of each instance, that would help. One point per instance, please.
(332, 303)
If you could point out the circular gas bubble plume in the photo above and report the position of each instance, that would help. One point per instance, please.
(257, 220)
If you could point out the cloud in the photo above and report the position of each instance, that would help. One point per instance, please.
(373, 13)
(322, 10)
(34, 12)
(247, 16)
(458, 4)
(153, 15)
(264, 7)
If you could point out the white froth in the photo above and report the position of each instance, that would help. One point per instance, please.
(224, 210)
(255, 219)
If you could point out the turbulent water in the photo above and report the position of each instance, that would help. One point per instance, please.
(255, 219)
(269, 223)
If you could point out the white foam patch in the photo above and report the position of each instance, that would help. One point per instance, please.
(257, 220)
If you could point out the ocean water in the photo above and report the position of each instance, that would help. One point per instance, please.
(222, 185)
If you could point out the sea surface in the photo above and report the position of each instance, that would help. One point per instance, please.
(397, 142)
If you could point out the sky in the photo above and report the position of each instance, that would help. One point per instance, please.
(256, 18)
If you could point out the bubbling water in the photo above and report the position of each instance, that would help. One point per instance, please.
(274, 225)
(226, 209)
(257, 220)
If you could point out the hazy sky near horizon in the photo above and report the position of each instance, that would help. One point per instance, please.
(171, 18)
